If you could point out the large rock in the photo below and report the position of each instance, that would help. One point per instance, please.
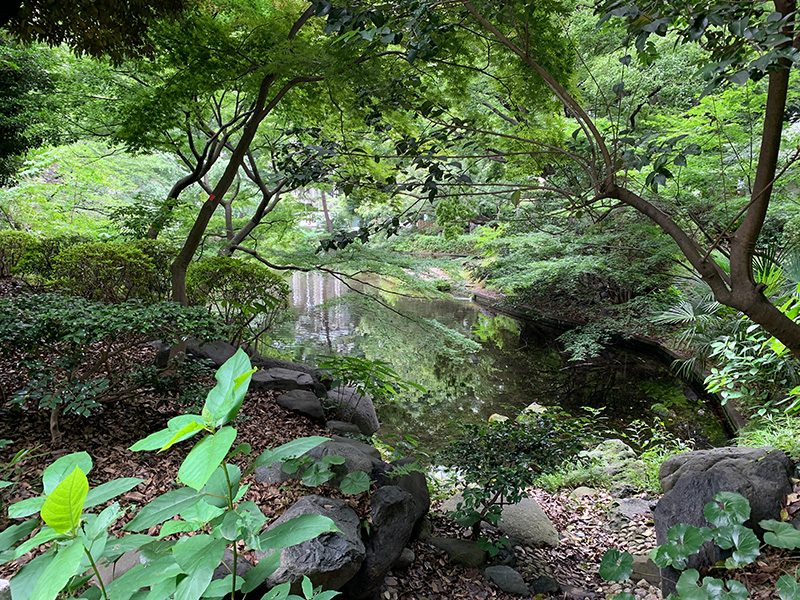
(507, 579)
(392, 523)
(330, 560)
(264, 363)
(692, 479)
(281, 379)
(5, 590)
(460, 552)
(416, 485)
(302, 402)
(215, 352)
(355, 407)
(527, 522)
(355, 459)
(226, 567)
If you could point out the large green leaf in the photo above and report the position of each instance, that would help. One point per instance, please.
(233, 378)
(11, 535)
(156, 440)
(205, 457)
(295, 531)
(185, 432)
(745, 541)
(788, 588)
(130, 582)
(56, 472)
(60, 570)
(724, 590)
(23, 582)
(616, 565)
(179, 526)
(63, 506)
(216, 489)
(727, 508)
(198, 556)
(291, 449)
(781, 535)
(355, 482)
(258, 574)
(687, 586)
(164, 507)
(219, 588)
(117, 547)
(106, 491)
(44, 535)
(26, 508)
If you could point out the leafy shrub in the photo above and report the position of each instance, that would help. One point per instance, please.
(726, 513)
(106, 272)
(162, 254)
(40, 262)
(63, 329)
(185, 380)
(207, 488)
(247, 296)
(499, 459)
(14, 245)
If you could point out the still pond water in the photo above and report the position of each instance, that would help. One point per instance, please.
(473, 363)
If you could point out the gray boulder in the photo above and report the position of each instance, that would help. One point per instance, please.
(507, 579)
(264, 363)
(407, 558)
(216, 352)
(460, 552)
(544, 584)
(330, 560)
(354, 407)
(281, 379)
(367, 449)
(415, 484)
(392, 524)
(690, 480)
(629, 508)
(527, 522)
(302, 402)
(644, 568)
(354, 460)
(5, 590)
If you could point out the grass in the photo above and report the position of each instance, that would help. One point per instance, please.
(777, 430)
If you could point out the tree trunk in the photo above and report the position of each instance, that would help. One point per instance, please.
(328, 223)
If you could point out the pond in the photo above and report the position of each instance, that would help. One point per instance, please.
(474, 363)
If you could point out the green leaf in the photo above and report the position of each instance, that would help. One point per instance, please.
(279, 592)
(616, 565)
(258, 574)
(156, 440)
(784, 536)
(233, 378)
(23, 582)
(355, 482)
(716, 589)
(308, 587)
(178, 526)
(164, 507)
(97, 524)
(295, 531)
(183, 433)
(687, 586)
(745, 541)
(291, 449)
(25, 508)
(11, 535)
(61, 569)
(117, 547)
(56, 472)
(788, 588)
(63, 506)
(106, 491)
(198, 556)
(222, 587)
(317, 474)
(727, 508)
(216, 489)
(46, 534)
(205, 457)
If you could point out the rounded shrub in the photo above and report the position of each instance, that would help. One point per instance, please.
(39, 263)
(248, 296)
(106, 272)
(14, 245)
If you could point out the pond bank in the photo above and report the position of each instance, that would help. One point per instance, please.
(728, 413)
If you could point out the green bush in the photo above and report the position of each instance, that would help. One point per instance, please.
(39, 264)
(499, 459)
(162, 254)
(14, 245)
(106, 272)
(246, 295)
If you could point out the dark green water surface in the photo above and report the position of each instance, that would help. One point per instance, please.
(474, 363)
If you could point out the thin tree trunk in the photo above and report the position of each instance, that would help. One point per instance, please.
(328, 223)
